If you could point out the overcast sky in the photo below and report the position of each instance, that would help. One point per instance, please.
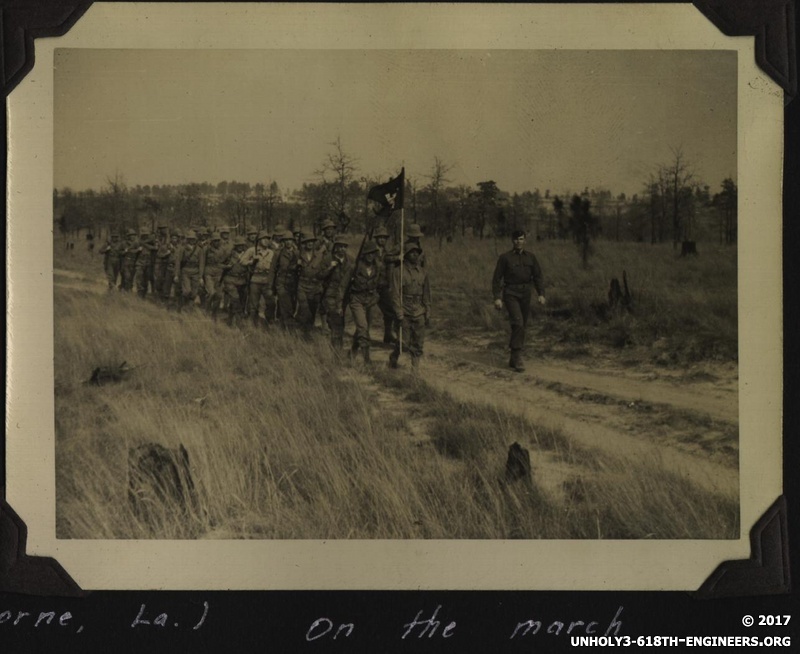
(559, 120)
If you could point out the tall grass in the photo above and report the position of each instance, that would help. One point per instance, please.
(685, 305)
(285, 442)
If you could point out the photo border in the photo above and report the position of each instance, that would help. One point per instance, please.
(40, 550)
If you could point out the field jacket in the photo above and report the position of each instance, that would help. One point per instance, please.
(262, 268)
(514, 273)
(416, 296)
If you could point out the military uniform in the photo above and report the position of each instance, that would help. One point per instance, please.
(144, 268)
(311, 270)
(212, 271)
(130, 253)
(412, 306)
(259, 259)
(189, 271)
(513, 275)
(284, 274)
(363, 296)
(112, 262)
(338, 269)
(234, 282)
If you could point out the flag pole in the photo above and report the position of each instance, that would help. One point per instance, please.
(402, 257)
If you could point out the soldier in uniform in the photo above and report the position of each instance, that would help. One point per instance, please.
(112, 260)
(259, 260)
(328, 229)
(145, 264)
(284, 274)
(337, 271)
(189, 270)
(362, 289)
(160, 265)
(170, 254)
(310, 273)
(130, 253)
(385, 267)
(511, 286)
(252, 236)
(411, 301)
(212, 271)
(234, 281)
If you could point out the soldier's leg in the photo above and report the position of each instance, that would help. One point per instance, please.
(141, 282)
(270, 306)
(416, 339)
(361, 333)
(336, 326)
(389, 322)
(517, 307)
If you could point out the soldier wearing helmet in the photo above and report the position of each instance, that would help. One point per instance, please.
(130, 252)
(234, 281)
(214, 257)
(259, 260)
(144, 267)
(411, 302)
(284, 275)
(112, 259)
(362, 296)
(337, 270)
(189, 270)
(311, 270)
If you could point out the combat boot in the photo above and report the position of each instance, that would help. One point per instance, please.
(516, 362)
(366, 355)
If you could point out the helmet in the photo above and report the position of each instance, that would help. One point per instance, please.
(239, 240)
(340, 240)
(191, 234)
(264, 234)
(414, 231)
(305, 238)
(327, 223)
(369, 248)
(381, 232)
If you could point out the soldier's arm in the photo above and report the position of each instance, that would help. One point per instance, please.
(497, 278)
(394, 292)
(426, 296)
(202, 263)
(536, 276)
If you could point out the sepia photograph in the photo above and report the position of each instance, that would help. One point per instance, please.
(413, 292)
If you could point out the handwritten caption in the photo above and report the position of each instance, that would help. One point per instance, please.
(436, 624)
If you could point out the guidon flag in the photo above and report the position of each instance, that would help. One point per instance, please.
(389, 195)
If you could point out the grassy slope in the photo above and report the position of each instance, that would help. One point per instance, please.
(283, 445)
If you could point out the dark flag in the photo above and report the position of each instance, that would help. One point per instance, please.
(389, 195)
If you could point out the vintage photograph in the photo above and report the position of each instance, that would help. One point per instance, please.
(414, 293)
(395, 294)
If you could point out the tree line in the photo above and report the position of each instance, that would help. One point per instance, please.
(673, 206)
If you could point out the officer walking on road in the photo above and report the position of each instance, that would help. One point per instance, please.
(511, 286)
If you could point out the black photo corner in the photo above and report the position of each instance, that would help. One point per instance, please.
(82, 619)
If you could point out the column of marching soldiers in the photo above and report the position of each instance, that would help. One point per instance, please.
(297, 274)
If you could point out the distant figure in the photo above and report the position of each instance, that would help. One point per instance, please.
(511, 286)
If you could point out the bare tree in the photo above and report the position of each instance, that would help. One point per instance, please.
(337, 174)
(679, 176)
(438, 178)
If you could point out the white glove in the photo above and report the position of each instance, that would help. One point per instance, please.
(542, 300)
(498, 304)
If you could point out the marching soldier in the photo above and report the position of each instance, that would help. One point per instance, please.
(259, 260)
(130, 253)
(284, 274)
(511, 286)
(328, 229)
(112, 260)
(385, 267)
(144, 266)
(170, 254)
(337, 270)
(189, 270)
(234, 281)
(310, 273)
(215, 256)
(411, 302)
(362, 288)
(160, 264)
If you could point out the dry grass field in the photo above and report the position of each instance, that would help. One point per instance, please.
(287, 441)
